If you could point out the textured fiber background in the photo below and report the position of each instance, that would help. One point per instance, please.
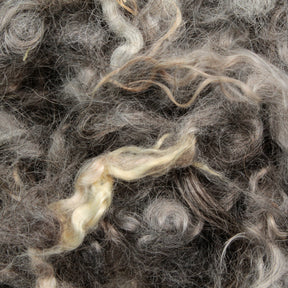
(143, 143)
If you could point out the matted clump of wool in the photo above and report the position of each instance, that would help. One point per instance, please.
(143, 143)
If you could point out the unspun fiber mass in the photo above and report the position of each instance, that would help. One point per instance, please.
(144, 143)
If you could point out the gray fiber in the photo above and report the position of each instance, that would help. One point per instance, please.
(144, 143)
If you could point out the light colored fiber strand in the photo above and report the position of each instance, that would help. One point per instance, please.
(134, 39)
(125, 4)
(123, 29)
(168, 4)
(93, 188)
(44, 270)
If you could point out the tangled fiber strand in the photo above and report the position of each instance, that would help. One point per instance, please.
(143, 143)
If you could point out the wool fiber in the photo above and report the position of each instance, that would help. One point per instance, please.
(143, 143)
